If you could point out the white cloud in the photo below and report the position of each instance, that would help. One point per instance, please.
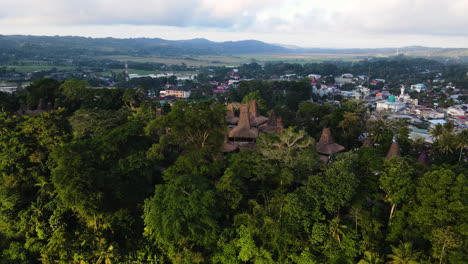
(310, 21)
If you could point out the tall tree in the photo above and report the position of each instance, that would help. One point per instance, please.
(397, 182)
(462, 142)
(198, 128)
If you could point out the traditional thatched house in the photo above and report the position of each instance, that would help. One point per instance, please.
(326, 145)
(243, 131)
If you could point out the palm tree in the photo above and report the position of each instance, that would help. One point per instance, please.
(352, 123)
(336, 230)
(462, 142)
(448, 127)
(371, 258)
(437, 131)
(446, 143)
(403, 254)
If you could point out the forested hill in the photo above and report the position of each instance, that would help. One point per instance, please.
(30, 47)
(43, 46)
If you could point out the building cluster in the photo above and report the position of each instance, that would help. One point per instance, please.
(245, 128)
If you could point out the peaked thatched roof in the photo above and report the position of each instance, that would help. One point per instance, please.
(279, 125)
(254, 116)
(243, 129)
(230, 115)
(253, 110)
(326, 145)
(272, 118)
(270, 126)
(394, 151)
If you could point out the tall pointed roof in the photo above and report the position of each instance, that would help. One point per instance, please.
(279, 125)
(272, 118)
(394, 151)
(230, 115)
(254, 116)
(253, 110)
(326, 145)
(270, 126)
(243, 129)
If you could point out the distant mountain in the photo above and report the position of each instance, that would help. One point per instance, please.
(73, 46)
(69, 47)
(403, 50)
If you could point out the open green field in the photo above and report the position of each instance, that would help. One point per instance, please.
(130, 71)
(234, 60)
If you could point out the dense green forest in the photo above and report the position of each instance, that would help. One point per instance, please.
(100, 176)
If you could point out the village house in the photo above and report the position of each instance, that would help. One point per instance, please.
(420, 87)
(177, 91)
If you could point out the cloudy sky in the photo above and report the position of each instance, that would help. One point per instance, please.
(306, 23)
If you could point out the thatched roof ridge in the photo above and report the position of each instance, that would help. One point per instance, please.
(253, 110)
(279, 125)
(254, 116)
(272, 118)
(326, 145)
(243, 129)
(326, 137)
(230, 115)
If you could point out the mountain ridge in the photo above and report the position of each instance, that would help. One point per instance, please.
(70, 46)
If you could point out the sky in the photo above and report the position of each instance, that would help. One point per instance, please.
(305, 23)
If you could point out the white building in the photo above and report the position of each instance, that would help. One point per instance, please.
(347, 75)
(436, 122)
(455, 111)
(420, 87)
(341, 81)
(179, 77)
(179, 93)
(429, 113)
(316, 76)
(233, 82)
(390, 104)
(8, 89)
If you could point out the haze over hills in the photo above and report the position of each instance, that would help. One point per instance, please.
(71, 46)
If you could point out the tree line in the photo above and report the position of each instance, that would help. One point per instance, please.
(93, 179)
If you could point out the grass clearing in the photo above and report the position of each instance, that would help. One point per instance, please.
(234, 60)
